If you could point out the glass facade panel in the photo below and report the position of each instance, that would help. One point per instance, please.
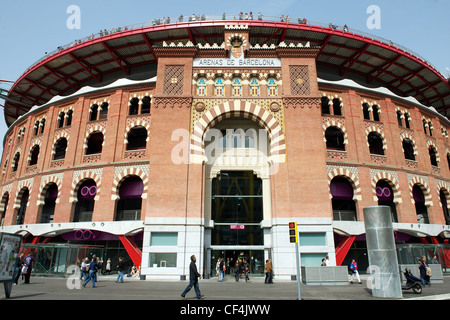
(312, 259)
(164, 239)
(312, 239)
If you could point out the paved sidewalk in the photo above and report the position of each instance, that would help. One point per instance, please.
(49, 288)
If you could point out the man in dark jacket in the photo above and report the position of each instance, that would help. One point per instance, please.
(193, 279)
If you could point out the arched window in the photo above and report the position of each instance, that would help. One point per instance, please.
(93, 112)
(430, 128)
(104, 111)
(48, 210)
(254, 87)
(42, 126)
(34, 155)
(130, 199)
(16, 162)
(425, 125)
(366, 111)
(399, 118)
(60, 149)
(408, 149)
(219, 85)
(337, 110)
(448, 160)
(407, 117)
(433, 158)
(69, 118)
(94, 143)
(236, 84)
(61, 119)
(84, 206)
(344, 207)
(137, 138)
(4, 205)
(375, 143)
(146, 102)
(23, 206)
(36, 128)
(201, 87)
(335, 139)
(325, 105)
(419, 202)
(385, 197)
(272, 87)
(443, 198)
(376, 112)
(134, 107)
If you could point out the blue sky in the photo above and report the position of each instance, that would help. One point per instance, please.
(31, 28)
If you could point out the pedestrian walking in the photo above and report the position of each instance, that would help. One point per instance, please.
(120, 269)
(246, 271)
(18, 268)
(354, 271)
(268, 271)
(84, 269)
(93, 267)
(108, 266)
(27, 267)
(193, 280)
(237, 269)
(425, 272)
(221, 269)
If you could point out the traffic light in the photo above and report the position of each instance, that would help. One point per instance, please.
(293, 235)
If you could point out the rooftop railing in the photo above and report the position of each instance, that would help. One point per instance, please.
(239, 17)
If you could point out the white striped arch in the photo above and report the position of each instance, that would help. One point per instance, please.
(443, 186)
(21, 187)
(393, 183)
(5, 196)
(423, 186)
(126, 173)
(432, 144)
(36, 144)
(59, 135)
(340, 126)
(45, 184)
(96, 128)
(86, 175)
(379, 132)
(352, 178)
(136, 123)
(407, 135)
(240, 109)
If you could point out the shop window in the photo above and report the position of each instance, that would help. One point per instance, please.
(84, 206)
(48, 210)
(130, 199)
(419, 202)
(385, 196)
(344, 207)
(162, 260)
(23, 206)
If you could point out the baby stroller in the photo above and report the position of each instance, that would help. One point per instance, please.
(412, 282)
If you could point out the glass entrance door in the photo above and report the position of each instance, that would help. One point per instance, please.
(255, 259)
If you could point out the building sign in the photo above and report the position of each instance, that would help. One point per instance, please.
(241, 62)
(237, 227)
